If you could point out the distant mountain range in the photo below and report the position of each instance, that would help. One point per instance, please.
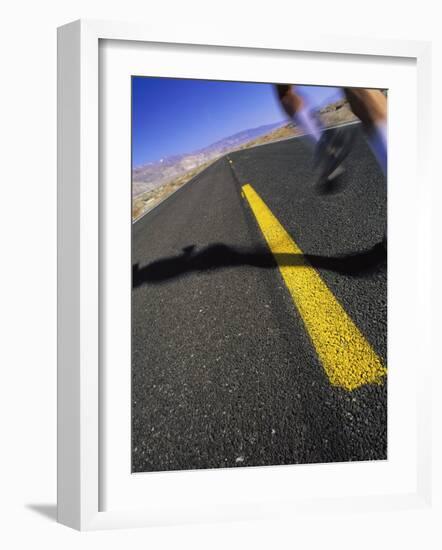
(154, 174)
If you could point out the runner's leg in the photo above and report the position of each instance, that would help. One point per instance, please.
(331, 147)
(370, 106)
(295, 107)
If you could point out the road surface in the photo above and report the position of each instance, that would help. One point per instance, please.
(259, 315)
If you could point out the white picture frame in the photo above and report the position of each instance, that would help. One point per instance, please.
(79, 367)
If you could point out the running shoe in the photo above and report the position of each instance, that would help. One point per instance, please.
(331, 150)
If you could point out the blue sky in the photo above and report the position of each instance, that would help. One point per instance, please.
(174, 116)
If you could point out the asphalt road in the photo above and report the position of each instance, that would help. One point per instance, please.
(224, 372)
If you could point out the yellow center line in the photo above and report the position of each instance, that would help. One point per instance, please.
(348, 359)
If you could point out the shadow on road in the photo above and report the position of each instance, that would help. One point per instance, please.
(219, 256)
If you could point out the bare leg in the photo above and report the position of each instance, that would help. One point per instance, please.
(289, 99)
(368, 105)
(295, 108)
(371, 107)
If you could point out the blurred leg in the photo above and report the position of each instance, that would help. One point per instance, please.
(289, 99)
(370, 106)
(295, 108)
